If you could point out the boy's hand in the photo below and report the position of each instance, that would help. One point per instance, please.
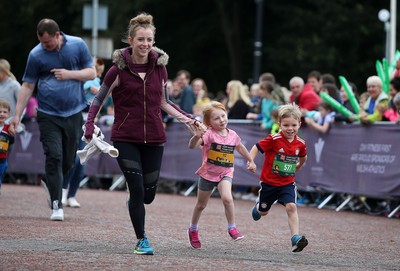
(251, 166)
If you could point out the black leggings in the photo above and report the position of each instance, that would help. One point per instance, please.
(140, 165)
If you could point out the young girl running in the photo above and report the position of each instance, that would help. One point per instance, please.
(218, 146)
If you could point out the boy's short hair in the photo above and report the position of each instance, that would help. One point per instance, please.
(289, 110)
(6, 104)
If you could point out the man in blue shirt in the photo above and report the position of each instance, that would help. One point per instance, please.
(58, 65)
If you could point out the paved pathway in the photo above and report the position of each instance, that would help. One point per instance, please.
(99, 236)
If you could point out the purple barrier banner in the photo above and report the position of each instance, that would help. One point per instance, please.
(27, 155)
(354, 159)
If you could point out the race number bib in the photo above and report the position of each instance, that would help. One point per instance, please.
(3, 146)
(221, 155)
(284, 165)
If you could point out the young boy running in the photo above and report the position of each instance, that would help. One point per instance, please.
(5, 138)
(284, 154)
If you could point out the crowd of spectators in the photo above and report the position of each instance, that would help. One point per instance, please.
(260, 100)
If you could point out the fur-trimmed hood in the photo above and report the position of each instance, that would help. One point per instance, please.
(121, 56)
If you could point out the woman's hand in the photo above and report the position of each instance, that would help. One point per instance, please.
(198, 128)
(89, 130)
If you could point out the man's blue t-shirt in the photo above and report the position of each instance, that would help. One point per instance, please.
(61, 98)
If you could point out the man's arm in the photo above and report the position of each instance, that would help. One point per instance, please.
(23, 97)
(81, 75)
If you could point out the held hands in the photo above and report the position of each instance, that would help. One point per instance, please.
(13, 125)
(198, 128)
(11, 129)
(251, 166)
(200, 125)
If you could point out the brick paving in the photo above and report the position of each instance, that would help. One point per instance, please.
(99, 236)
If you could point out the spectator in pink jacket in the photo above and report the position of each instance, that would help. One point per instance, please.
(391, 114)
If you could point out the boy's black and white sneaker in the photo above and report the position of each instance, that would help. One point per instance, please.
(255, 214)
(299, 242)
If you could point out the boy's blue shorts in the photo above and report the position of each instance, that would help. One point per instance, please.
(269, 194)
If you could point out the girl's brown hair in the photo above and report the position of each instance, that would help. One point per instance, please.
(209, 108)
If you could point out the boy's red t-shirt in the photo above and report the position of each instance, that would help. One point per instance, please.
(280, 158)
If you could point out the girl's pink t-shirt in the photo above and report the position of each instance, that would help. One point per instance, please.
(218, 155)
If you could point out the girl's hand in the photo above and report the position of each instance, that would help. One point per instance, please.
(251, 166)
(200, 125)
(198, 128)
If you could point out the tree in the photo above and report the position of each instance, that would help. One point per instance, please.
(214, 39)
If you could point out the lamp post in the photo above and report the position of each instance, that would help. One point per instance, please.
(384, 16)
(258, 40)
(95, 26)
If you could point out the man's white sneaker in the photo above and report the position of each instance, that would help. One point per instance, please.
(57, 215)
(72, 202)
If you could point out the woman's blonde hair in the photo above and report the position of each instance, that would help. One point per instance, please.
(238, 92)
(209, 108)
